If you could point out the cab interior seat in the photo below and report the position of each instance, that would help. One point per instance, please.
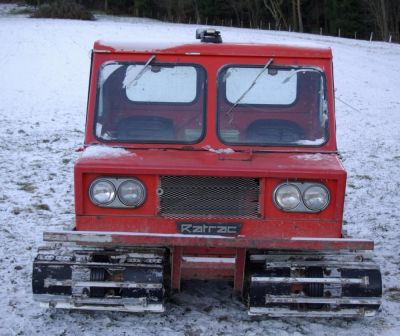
(274, 132)
(146, 128)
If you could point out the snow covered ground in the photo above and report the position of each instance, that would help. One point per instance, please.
(44, 67)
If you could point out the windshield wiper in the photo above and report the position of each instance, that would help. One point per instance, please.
(141, 72)
(295, 72)
(229, 112)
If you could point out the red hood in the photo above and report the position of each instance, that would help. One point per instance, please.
(186, 162)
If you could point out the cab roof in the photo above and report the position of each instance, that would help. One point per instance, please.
(220, 49)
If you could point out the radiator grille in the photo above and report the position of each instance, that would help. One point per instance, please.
(191, 196)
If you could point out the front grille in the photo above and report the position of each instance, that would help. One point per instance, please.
(191, 196)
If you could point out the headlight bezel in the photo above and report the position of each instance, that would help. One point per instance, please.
(93, 185)
(116, 183)
(276, 194)
(302, 187)
(141, 186)
(327, 196)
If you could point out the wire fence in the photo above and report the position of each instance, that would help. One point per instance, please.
(392, 37)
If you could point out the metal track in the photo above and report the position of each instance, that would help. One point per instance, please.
(72, 277)
(313, 284)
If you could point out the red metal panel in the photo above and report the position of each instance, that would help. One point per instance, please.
(262, 197)
(206, 263)
(207, 251)
(158, 162)
(340, 195)
(224, 49)
(176, 262)
(207, 271)
(239, 270)
(312, 226)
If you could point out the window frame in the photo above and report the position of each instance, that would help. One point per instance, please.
(222, 92)
(198, 67)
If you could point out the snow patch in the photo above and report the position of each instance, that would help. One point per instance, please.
(138, 46)
(315, 142)
(219, 151)
(105, 151)
(309, 157)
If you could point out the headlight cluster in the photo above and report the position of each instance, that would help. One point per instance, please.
(117, 193)
(301, 197)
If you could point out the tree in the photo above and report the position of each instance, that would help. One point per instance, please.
(394, 19)
(196, 11)
(299, 17)
(294, 15)
(238, 8)
(274, 7)
(378, 9)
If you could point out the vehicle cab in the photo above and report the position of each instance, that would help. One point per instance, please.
(238, 122)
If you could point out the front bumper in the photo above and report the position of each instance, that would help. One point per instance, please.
(126, 239)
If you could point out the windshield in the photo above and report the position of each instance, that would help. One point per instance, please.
(283, 107)
(150, 103)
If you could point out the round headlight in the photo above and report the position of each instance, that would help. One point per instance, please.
(316, 197)
(287, 196)
(102, 192)
(132, 193)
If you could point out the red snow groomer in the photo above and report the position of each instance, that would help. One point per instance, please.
(209, 160)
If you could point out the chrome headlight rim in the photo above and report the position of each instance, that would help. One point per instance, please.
(142, 187)
(328, 197)
(94, 183)
(275, 194)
